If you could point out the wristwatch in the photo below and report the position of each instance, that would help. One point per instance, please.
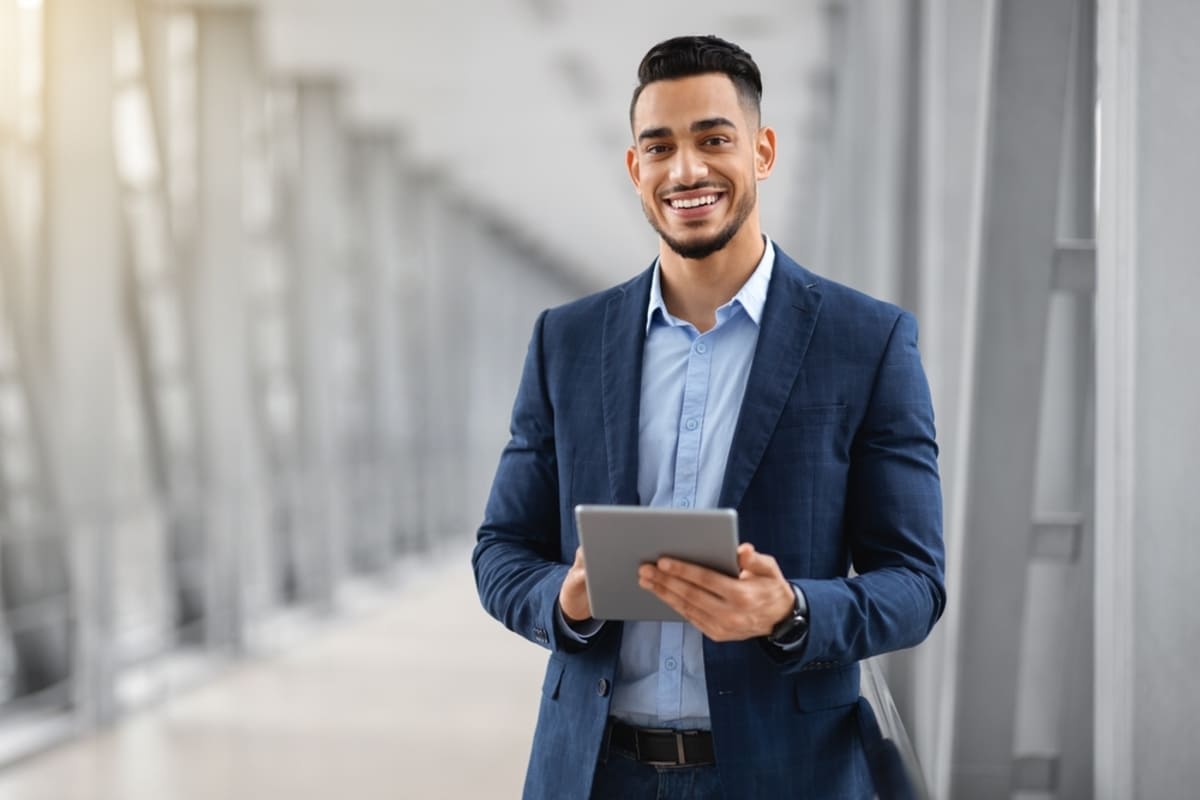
(791, 628)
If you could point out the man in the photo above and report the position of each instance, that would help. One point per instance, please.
(724, 376)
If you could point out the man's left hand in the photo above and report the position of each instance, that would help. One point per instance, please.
(724, 609)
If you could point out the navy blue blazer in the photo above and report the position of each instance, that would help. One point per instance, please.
(833, 465)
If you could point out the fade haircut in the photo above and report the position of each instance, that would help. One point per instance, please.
(685, 56)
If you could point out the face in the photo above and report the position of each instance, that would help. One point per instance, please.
(697, 157)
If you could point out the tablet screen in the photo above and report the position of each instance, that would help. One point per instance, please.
(617, 540)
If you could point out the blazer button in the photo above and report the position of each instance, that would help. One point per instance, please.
(540, 635)
(602, 687)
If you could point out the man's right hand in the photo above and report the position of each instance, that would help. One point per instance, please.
(572, 598)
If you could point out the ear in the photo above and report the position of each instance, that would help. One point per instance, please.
(631, 164)
(764, 153)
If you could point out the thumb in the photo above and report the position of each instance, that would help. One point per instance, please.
(745, 555)
(756, 563)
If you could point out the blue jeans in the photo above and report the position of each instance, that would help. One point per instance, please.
(619, 776)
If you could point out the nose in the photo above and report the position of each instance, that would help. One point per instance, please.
(688, 167)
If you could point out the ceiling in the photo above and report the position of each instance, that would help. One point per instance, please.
(522, 104)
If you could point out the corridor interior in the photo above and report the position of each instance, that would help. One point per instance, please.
(423, 696)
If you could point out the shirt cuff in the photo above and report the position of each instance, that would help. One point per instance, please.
(581, 632)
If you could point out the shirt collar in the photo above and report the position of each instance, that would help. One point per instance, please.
(751, 297)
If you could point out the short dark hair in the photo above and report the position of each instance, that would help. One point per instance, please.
(685, 56)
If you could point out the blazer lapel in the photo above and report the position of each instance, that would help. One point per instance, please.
(789, 317)
(621, 383)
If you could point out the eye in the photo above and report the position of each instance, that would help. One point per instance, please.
(715, 141)
(656, 149)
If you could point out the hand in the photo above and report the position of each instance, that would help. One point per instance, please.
(725, 609)
(572, 597)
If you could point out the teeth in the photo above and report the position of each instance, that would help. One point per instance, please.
(693, 202)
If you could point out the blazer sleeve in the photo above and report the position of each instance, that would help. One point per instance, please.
(517, 557)
(893, 524)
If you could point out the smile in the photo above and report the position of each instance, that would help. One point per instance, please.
(695, 202)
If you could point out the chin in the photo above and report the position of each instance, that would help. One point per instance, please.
(697, 249)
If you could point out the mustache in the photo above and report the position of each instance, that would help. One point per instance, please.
(679, 187)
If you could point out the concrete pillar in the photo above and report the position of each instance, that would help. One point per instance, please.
(488, 400)
(1005, 342)
(864, 239)
(496, 305)
(34, 545)
(1147, 436)
(320, 254)
(411, 342)
(21, 175)
(83, 262)
(434, 288)
(228, 93)
(451, 285)
(952, 61)
(1053, 729)
(376, 176)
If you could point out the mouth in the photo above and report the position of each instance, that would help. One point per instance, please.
(696, 204)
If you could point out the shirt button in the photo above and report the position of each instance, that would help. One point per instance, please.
(671, 663)
(602, 687)
(684, 503)
(692, 424)
(701, 347)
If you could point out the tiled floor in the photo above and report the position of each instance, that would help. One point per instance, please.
(427, 698)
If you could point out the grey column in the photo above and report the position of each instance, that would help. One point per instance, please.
(412, 340)
(437, 288)
(319, 260)
(1053, 729)
(388, 467)
(491, 379)
(1148, 437)
(1006, 342)
(500, 333)
(863, 241)
(227, 87)
(83, 262)
(34, 584)
(949, 135)
(452, 287)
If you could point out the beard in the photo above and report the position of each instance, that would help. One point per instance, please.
(703, 248)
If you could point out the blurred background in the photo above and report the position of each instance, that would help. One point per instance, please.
(267, 274)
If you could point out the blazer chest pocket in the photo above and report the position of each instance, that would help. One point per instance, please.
(812, 417)
(812, 434)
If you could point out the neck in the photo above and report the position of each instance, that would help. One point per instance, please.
(693, 289)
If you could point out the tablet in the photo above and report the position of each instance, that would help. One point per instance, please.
(617, 540)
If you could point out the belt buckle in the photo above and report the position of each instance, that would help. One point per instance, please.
(681, 757)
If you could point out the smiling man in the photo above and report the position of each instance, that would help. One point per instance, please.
(725, 375)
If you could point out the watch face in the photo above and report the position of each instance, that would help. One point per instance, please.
(790, 629)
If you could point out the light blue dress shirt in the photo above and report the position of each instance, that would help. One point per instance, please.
(692, 388)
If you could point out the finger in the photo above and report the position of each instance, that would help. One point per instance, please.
(578, 556)
(690, 603)
(716, 582)
(719, 622)
(663, 584)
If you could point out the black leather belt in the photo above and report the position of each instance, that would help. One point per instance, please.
(662, 747)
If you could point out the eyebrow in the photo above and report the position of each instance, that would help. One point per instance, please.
(696, 127)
